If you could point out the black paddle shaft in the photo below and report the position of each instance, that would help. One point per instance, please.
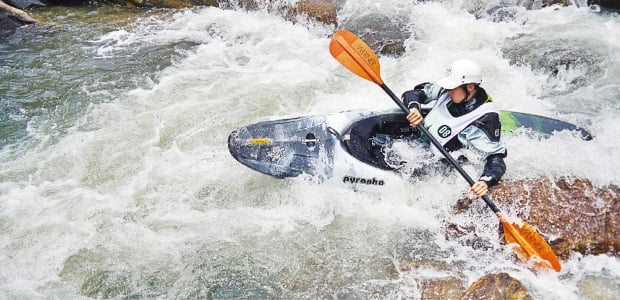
(441, 148)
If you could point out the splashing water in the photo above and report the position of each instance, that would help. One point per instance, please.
(116, 179)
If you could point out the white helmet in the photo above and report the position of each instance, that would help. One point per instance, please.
(461, 71)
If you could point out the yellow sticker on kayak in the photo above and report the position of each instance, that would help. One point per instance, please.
(260, 141)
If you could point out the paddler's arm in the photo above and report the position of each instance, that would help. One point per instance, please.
(483, 136)
(423, 93)
(414, 117)
(493, 171)
(480, 188)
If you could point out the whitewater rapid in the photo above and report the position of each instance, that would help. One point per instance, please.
(124, 187)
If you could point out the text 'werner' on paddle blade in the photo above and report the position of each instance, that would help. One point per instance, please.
(355, 55)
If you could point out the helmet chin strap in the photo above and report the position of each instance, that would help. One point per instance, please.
(467, 93)
(464, 87)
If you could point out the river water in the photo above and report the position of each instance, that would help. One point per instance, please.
(116, 181)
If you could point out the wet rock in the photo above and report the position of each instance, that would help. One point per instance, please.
(598, 287)
(572, 214)
(321, 10)
(558, 2)
(23, 4)
(613, 5)
(578, 63)
(501, 13)
(324, 11)
(451, 287)
(496, 286)
(505, 11)
(384, 34)
(8, 25)
(490, 286)
(467, 235)
(164, 3)
(12, 18)
(443, 288)
(70, 2)
(538, 4)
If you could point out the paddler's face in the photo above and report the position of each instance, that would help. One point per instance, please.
(458, 94)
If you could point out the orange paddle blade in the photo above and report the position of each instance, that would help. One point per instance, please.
(532, 246)
(356, 56)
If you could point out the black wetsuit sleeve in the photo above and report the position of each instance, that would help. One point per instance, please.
(494, 169)
(413, 98)
(495, 166)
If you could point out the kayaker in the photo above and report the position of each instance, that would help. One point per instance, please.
(463, 115)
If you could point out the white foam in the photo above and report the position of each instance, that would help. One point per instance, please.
(149, 175)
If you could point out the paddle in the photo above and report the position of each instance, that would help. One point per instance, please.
(357, 56)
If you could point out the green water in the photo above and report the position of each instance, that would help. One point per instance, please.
(51, 73)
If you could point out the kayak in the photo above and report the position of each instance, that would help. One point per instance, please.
(351, 146)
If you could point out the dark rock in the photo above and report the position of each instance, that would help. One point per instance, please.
(571, 214)
(557, 2)
(245, 4)
(23, 4)
(9, 24)
(537, 4)
(70, 2)
(165, 3)
(12, 18)
(321, 10)
(579, 216)
(502, 13)
(496, 286)
(598, 287)
(612, 5)
(491, 286)
(442, 288)
(578, 63)
(324, 11)
(384, 34)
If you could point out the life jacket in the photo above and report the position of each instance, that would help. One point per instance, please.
(444, 127)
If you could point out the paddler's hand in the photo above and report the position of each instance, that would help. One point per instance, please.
(479, 188)
(414, 117)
